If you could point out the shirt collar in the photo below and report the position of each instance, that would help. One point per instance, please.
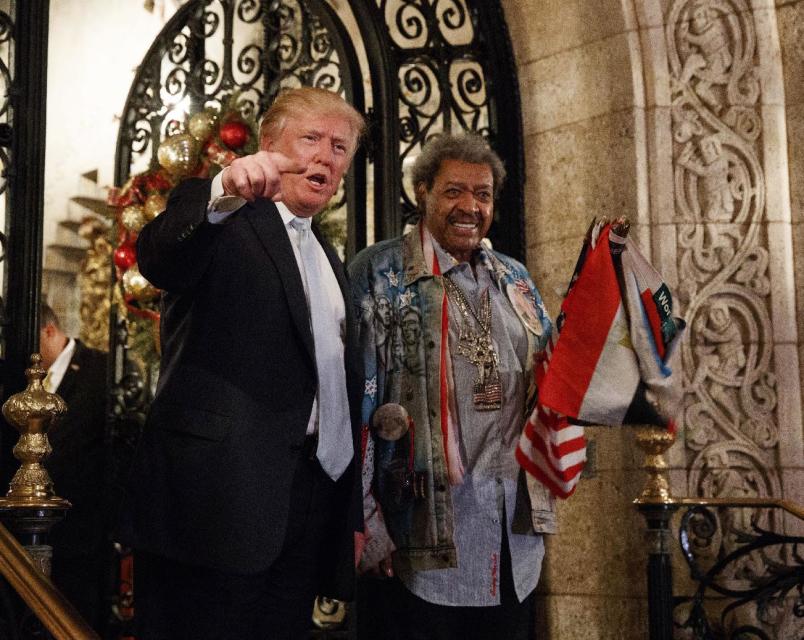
(60, 364)
(446, 262)
(287, 215)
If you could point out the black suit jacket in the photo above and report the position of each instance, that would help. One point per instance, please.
(212, 476)
(77, 462)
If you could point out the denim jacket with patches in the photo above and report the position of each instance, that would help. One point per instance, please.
(398, 302)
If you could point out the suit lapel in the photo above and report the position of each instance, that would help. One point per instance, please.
(267, 223)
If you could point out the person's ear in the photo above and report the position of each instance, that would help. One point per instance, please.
(421, 194)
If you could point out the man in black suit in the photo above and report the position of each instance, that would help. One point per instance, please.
(78, 374)
(244, 495)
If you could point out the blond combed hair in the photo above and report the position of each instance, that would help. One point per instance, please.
(309, 101)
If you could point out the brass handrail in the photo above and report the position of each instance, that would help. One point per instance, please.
(792, 508)
(44, 600)
(655, 441)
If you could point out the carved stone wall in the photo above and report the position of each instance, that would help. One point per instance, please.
(688, 117)
(731, 238)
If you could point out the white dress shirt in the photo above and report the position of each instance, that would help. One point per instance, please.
(59, 367)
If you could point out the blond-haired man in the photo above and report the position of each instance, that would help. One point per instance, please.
(244, 498)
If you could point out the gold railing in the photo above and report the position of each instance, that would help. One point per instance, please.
(37, 591)
(33, 507)
(655, 441)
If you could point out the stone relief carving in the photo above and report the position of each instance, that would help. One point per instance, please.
(730, 470)
(729, 380)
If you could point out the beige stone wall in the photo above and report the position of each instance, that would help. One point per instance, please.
(575, 73)
(619, 100)
(790, 19)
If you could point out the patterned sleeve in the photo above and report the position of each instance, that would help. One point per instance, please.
(377, 543)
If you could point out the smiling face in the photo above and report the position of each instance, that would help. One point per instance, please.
(323, 143)
(459, 208)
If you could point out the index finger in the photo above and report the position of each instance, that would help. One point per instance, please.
(286, 164)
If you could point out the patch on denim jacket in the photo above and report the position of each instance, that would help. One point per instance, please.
(525, 306)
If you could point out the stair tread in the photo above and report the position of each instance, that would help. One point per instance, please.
(68, 250)
(97, 205)
(52, 270)
(70, 225)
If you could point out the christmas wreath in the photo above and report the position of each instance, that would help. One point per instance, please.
(206, 143)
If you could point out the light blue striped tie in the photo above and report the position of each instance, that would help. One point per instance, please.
(335, 449)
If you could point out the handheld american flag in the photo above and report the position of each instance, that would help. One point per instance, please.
(611, 363)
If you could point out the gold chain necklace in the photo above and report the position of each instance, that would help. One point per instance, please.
(478, 348)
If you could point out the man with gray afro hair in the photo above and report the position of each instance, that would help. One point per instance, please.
(448, 331)
(467, 147)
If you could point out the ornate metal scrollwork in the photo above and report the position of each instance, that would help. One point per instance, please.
(760, 573)
(6, 137)
(194, 63)
(6, 47)
(441, 76)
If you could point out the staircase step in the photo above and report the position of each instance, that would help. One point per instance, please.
(96, 205)
(70, 252)
(59, 261)
(70, 225)
(55, 272)
(66, 237)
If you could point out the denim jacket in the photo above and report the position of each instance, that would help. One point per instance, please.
(399, 302)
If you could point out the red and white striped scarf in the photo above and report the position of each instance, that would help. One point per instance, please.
(450, 428)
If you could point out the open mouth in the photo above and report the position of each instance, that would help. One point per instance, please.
(465, 225)
(318, 179)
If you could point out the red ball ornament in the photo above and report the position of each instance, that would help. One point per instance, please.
(234, 134)
(125, 256)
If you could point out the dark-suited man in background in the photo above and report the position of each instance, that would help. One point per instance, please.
(244, 497)
(76, 466)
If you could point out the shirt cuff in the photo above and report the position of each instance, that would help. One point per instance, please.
(220, 205)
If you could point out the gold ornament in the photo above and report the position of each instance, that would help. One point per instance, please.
(32, 412)
(135, 285)
(154, 205)
(202, 124)
(179, 154)
(655, 441)
(34, 400)
(133, 218)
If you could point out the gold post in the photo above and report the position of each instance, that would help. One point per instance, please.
(33, 412)
(655, 441)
